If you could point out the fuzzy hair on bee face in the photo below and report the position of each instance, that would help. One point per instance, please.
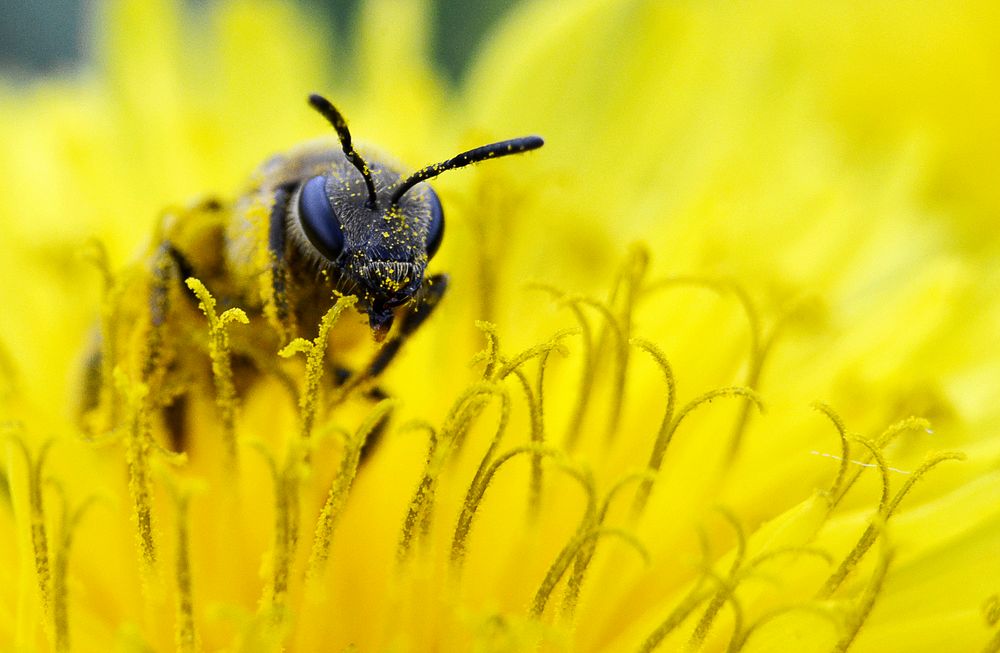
(383, 251)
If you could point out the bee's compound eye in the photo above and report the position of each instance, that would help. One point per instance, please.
(318, 220)
(435, 231)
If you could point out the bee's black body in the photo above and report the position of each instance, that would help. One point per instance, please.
(385, 252)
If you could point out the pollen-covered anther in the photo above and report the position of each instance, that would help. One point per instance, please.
(219, 351)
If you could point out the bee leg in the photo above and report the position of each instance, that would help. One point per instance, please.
(276, 245)
(91, 383)
(170, 266)
(175, 423)
(427, 299)
(342, 375)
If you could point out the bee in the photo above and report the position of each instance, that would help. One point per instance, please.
(315, 223)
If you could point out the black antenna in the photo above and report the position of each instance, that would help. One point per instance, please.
(335, 118)
(492, 151)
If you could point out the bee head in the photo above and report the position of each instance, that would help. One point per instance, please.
(375, 229)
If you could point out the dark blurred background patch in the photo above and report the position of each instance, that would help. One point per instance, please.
(41, 36)
(37, 36)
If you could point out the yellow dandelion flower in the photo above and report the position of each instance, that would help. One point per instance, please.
(715, 369)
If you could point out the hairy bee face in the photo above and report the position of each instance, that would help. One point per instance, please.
(377, 250)
(368, 229)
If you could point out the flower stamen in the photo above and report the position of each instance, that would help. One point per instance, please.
(866, 602)
(477, 489)
(886, 509)
(222, 370)
(340, 487)
(36, 512)
(138, 450)
(443, 445)
(315, 353)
